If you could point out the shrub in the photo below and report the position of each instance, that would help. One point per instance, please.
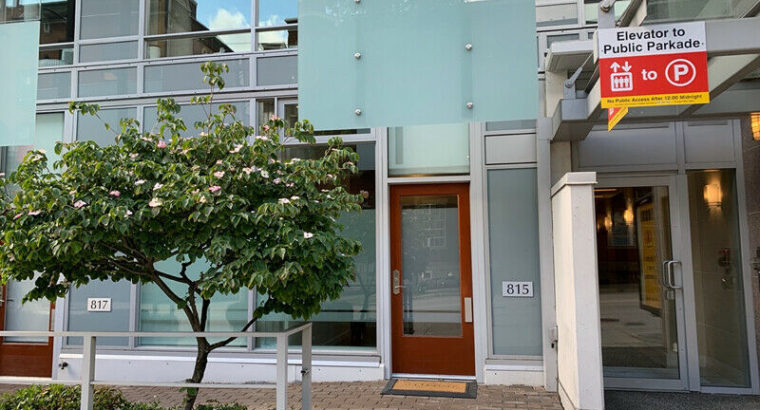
(59, 397)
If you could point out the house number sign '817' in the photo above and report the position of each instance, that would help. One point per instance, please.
(98, 304)
(517, 289)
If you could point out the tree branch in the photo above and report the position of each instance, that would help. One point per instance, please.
(225, 342)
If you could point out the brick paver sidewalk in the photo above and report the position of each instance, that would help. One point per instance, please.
(364, 395)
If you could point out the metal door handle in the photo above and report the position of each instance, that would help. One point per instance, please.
(670, 275)
(468, 310)
(396, 282)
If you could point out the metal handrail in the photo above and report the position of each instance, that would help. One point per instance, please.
(87, 379)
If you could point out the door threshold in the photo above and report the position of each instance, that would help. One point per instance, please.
(431, 376)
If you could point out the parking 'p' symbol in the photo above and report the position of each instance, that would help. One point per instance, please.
(681, 72)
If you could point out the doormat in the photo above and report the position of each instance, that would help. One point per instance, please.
(432, 388)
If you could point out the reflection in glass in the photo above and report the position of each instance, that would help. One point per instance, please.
(639, 333)
(227, 313)
(53, 57)
(177, 47)
(33, 315)
(264, 111)
(556, 14)
(718, 279)
(350, 321)
(181, 16)
(276, 39)
(25, 10)
(290, 114)
(430, 265)
(109, 18)
(277, 12)
(57, 21)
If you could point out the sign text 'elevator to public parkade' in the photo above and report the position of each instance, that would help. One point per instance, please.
(653, 65)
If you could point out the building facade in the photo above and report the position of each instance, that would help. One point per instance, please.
(465, 209)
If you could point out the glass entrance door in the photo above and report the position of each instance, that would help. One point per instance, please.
(24, 356)
(431, 281)
(640, 284)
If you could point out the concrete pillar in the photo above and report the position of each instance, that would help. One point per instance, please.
(579, 348)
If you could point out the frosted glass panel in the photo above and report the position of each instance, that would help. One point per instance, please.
(227, 313)
(428, 150)
(277, 70)
(117, 320)
(18, 81)
(414, 67)
(115, 81)
(54, 86)
(191, 114)
(513, 246)
(108, 52)
(48, 131)
(178, 77)
(25, 316)
(91, 128)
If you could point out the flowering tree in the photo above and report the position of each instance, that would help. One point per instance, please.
(222, 198)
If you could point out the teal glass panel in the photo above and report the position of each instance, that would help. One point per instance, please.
(429, 150)
(406, 63)
(18, 80)
(513, 246)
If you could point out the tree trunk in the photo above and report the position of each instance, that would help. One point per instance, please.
(201, 360)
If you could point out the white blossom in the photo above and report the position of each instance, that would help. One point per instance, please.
(308, 235)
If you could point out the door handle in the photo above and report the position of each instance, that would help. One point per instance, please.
(468, 310)
(396, 282)
(670, 275)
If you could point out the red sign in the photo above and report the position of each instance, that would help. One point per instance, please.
(653, 65)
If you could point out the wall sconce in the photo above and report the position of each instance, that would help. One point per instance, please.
(754, 120)
(713, 195)
(608, 223)
(628, 216)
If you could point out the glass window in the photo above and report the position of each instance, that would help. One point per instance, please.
(117, 320)
(556, 14)
(276, 39)
(592, 10)
(58, 56)
(109, 18)
(51, 86)
(350, 321)
(180, 16)
(176, 47)
(513, 247)
(31, 316)
(192, 114)
(159, 314)
(429, 150)
(126, 50)
(718, 279)
(57, 21)
(91, 128)
(188, 76)
(277, 70)
(277, 12)
(511, 125)
(113, 81)
(23, 10)
(264, 110)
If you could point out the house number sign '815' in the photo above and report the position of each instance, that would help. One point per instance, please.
(517, 289)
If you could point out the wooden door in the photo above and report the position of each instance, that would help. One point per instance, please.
(431, 280)
(24, 356)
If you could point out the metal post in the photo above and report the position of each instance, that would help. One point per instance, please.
(606, 14)
(306, 368)
(282, 372)
(88, 372)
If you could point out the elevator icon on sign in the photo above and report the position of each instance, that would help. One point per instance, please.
(621, 81)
